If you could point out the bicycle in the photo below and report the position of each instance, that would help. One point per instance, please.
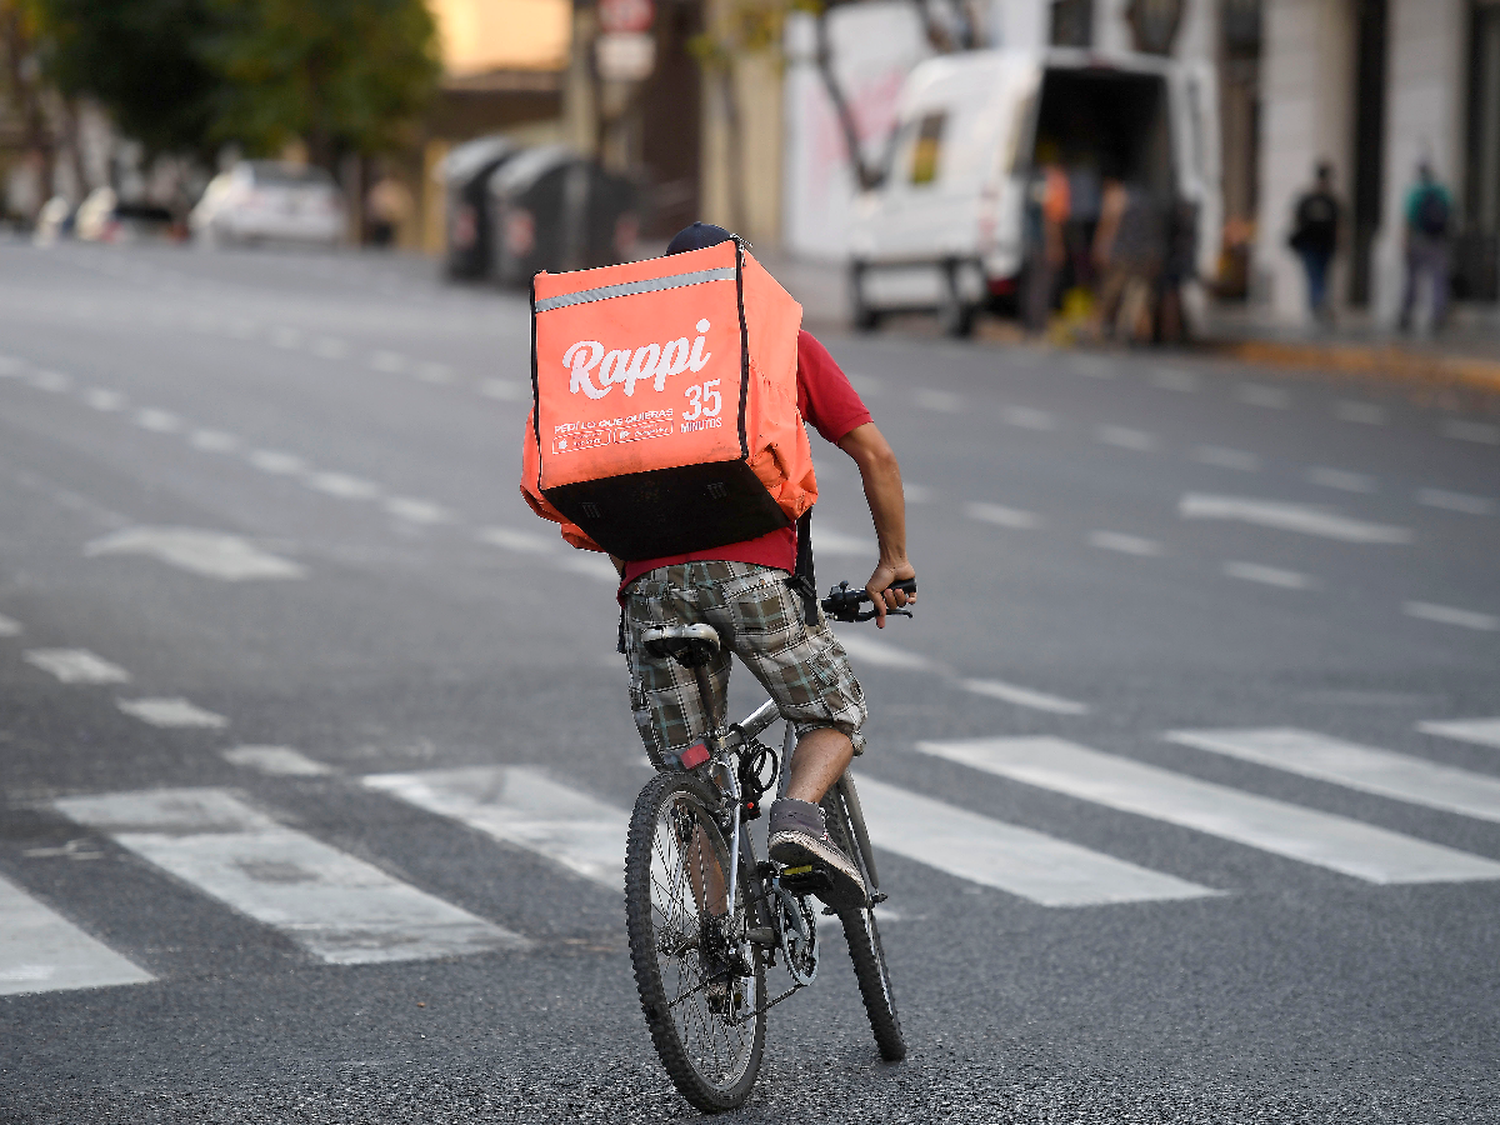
(703, 930)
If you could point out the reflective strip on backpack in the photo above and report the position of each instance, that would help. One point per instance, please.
(630, 288)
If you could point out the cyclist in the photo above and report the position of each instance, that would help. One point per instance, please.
(745, 591)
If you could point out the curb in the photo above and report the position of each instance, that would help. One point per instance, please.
(1388, 361)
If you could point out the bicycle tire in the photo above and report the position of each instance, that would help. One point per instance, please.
(710, 1043)
(863, 937)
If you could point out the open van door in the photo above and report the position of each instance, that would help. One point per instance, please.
(1195, 121)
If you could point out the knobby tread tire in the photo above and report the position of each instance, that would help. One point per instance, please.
(644, 955)
(865, 951)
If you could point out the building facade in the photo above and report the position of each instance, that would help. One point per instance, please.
(1377, 87)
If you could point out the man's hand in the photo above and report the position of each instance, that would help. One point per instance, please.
(881, 474)
(885, 598)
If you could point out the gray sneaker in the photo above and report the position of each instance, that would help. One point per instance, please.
(800, 843)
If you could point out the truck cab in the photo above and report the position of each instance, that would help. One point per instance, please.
(951, 226)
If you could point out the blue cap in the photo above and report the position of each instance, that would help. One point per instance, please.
(696, 237)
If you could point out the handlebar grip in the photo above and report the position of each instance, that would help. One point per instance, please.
(907, 586)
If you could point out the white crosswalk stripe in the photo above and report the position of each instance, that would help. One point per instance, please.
(1483, 732)
(1398, 776)
(1322, 839)
(76, 666)
(340, 909)
(1030, 864)
(41, 951)
(523, 806)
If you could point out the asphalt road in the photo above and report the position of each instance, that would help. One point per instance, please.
(1185, 778)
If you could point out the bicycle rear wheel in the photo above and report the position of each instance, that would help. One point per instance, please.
(863, 936)
(702, 994)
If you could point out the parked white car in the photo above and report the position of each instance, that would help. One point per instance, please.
(258, 200)
(946, 230)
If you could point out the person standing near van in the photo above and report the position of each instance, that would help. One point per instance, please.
(1315, 237)
(1050, 206)
(1429, 214)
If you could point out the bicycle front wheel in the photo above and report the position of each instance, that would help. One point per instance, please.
(863, 936)
(703, 993)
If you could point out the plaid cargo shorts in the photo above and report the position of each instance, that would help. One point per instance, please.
(759, 619)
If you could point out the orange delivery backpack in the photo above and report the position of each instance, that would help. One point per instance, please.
(664, 416)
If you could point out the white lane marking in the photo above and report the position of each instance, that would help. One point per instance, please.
(213, 441)
(523, 806)
(390, 362)
(418, 511)
(213, 554)
(1173, 379)
(277, 462)
(827, 541)
(1258, 394)
(918, 493)
(275, 761)
(40, 951)
(1451, 615)
(591, 564)
(1481, 732)
(9, 626)
(76, 666)
(867, 385)
(943, 402)
(1322, 839)
(1481, 432)
(866, 651)
(1025, 697)
(1283, 516)
(1017, 860)
(330, 348)
(1124, 437)
(1341, 479)
(1400, 777)
(1125, 544)
(437, 373)
(1028, 418)
(1001, 516)
(525, 542)
(1456, 502)
(158, 421)
(1224, 458)
(284, 337)
(1361, 413)
(344, 486)
(504, 390)
(174, 712)
(103, 400)
(11, 367)
(342, 910)
(1268, 575)
(54, 381)
(1093, 367)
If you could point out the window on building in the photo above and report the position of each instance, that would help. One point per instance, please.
(928, 147)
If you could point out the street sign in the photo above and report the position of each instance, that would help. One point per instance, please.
(625, 56)
(617, 16)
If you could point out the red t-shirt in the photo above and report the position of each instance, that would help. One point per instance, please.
(830, 405)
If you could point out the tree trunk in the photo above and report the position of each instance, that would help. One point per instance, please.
(863, 173)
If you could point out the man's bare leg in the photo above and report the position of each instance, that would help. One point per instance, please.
(820, 759)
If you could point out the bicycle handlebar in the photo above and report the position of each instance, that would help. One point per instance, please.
(842, 603)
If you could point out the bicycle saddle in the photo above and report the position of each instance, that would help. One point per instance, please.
(690, 645)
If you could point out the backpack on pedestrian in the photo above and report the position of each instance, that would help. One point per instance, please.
(664, 405)
(1433, 213)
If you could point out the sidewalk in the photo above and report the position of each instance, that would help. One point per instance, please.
(1466, 355)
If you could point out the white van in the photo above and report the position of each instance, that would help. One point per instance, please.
(946, 230)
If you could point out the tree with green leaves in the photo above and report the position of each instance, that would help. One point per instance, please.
(187, 76)
(345, 76)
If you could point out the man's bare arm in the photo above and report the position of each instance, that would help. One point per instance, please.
(881, 473)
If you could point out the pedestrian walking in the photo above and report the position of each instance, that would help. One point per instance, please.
(1429, 213)
(1315, 237)
(1048, 211)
